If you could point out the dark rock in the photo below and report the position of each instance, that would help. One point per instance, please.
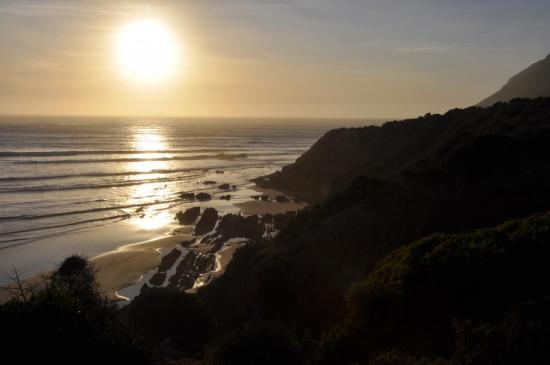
(235, 225)
(265, 198)
(281, 220)
(203, 197)
(255, 197)
(187, 196)
(187, 243)
(190, 268)
(282, 199)
(168, 260)
(225, 197)
(267, 218)
(189, 216)
(158, 279)
(219, 171)
(209, 182)
(224, 187)
(207, 221)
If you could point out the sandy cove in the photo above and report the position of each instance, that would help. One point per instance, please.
(125, 265)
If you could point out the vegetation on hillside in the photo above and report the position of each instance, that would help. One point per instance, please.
(475, 298)
(481, 180)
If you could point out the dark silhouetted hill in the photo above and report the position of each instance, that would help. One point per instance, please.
(395, 148)
(533, 82)
(449, 173)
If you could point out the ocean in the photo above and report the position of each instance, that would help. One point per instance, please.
(89, 185)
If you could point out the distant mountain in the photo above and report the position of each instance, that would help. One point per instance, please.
(533, 82)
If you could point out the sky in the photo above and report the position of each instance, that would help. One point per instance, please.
(270, 58)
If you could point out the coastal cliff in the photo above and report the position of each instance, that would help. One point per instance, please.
(399, 148)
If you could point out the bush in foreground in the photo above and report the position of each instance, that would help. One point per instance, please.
(260, 343)
(167, 314)
(66, 322)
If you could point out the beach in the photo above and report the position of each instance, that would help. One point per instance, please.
(107, 189)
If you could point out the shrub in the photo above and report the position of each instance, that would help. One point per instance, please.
(260, 343)
(57, 325)
(165, 313)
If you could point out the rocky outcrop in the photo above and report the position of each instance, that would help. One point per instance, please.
(187, 196)
(203, 197)
(189, 216)
(166, 264)
(168, 260)
(235, 225)
(206, 222)
(277, 222)
(158, 279)
(190, 268)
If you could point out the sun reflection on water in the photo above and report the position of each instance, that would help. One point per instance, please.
(149, 139)
(150, 143)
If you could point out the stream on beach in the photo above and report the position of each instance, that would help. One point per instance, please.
(89, 185)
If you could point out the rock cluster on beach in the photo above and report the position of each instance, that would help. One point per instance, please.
(213, 232)
(206, 222)
(189, 269)
(189, 216)
(165, 264)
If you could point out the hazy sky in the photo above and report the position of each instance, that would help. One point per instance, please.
(303, 58)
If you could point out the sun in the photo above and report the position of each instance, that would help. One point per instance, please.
(146, 50)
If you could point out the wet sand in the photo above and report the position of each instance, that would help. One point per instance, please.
(125, 266)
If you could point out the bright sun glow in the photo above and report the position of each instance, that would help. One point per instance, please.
(146, 50)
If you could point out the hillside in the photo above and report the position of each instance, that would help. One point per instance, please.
(533, 82)
(484, 166)
(401, 147)
(479, 298)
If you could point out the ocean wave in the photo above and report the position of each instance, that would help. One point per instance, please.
(24, 240)
(83, 211)
(95, 174)
(68, 153)
(45, 188)
(219, 156)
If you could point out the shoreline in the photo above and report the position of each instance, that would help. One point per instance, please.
(128, 264)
